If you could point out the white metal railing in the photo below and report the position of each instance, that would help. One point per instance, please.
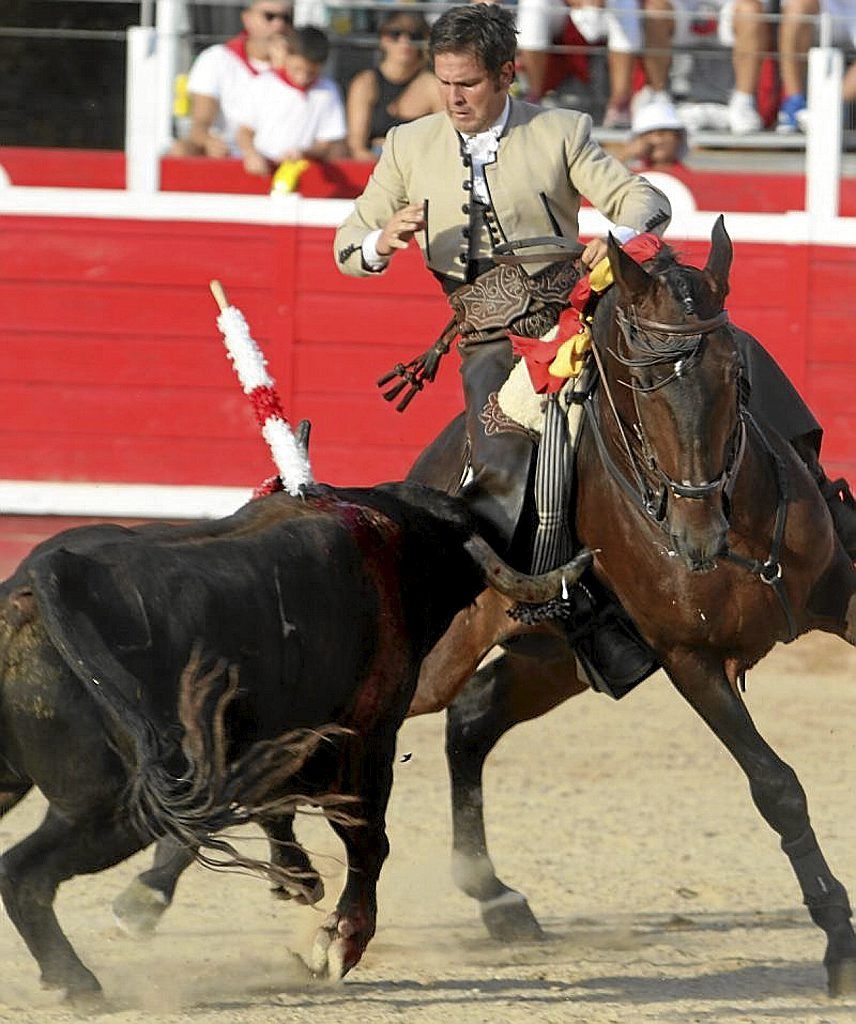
(159, 47)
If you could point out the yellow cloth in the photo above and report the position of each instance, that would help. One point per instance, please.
(601, 277)
(180, 99)
(570, 356)
(288, 175)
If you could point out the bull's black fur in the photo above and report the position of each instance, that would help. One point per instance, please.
(324, 607)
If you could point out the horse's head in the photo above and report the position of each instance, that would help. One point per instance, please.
(671, 348)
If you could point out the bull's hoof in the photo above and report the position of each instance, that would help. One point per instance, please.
(338, 947)
(841, 977)
(508, 918)
(138, 909)
(313, 894)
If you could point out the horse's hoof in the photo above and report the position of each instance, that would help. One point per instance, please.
(85, 1001)
(842, 978)
(138, 909)
(83, 993)
(508, 918)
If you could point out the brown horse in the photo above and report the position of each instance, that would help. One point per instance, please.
(715, 539)
(713, 535)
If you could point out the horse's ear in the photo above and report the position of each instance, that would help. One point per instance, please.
(719, 260)
(632, 279)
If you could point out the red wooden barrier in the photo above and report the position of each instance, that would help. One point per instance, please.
(113, 369)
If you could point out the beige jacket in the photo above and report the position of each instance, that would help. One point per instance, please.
(545, 163)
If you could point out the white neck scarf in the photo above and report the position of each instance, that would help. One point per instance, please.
(482, 148)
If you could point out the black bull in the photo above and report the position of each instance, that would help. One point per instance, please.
(323, 608)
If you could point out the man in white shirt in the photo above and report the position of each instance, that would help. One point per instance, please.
(220, 76)
(292, 111)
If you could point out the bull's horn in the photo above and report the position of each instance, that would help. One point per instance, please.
(518, 585)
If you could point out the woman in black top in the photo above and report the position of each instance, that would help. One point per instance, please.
(399, 89)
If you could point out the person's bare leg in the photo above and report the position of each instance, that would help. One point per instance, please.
(848, 86)
(659, 30)
(751, 41)
(620, 78)
(533, 64)
(795, 37)
(617, 114)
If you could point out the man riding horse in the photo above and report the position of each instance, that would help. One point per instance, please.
(467, 183)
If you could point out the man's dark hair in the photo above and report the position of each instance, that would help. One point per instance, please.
(309, 42)
(485, 30)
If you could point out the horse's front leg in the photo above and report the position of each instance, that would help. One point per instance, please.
(781, 799)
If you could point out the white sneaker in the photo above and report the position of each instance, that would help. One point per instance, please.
(743, 118)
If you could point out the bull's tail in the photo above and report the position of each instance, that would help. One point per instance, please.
(182, 787)
(215, 794)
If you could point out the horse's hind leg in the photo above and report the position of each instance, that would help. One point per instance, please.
(32, 870)
(532, 677)
(781, 799)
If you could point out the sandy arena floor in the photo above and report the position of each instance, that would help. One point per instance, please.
(664, 895)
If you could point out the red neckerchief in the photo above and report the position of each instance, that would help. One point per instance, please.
(282, 74)
(540, 354)
(238, 46)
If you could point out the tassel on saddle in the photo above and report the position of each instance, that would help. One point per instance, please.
(504, 299)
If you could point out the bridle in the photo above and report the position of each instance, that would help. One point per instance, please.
(682, 346)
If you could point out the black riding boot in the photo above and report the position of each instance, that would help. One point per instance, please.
(836, 493)
(615, 658)
(842, 506)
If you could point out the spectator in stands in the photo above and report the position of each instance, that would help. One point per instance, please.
(539, 22)
(796, 35)
(221, 74)
(658, 137)
(740, 27)
(399, 89)
(291, 111)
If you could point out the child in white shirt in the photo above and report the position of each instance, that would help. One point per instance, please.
(292, 111)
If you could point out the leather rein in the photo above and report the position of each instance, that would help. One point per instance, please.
(682, 345)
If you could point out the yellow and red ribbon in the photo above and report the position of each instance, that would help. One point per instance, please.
(552, 363)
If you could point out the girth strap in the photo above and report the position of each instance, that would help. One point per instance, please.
(770, 570)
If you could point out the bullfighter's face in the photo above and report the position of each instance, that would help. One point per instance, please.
(474, 98)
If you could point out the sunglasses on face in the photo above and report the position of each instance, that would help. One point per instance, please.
(397, 33)
(276, 16)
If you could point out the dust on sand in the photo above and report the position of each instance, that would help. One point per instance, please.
(664, 895)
